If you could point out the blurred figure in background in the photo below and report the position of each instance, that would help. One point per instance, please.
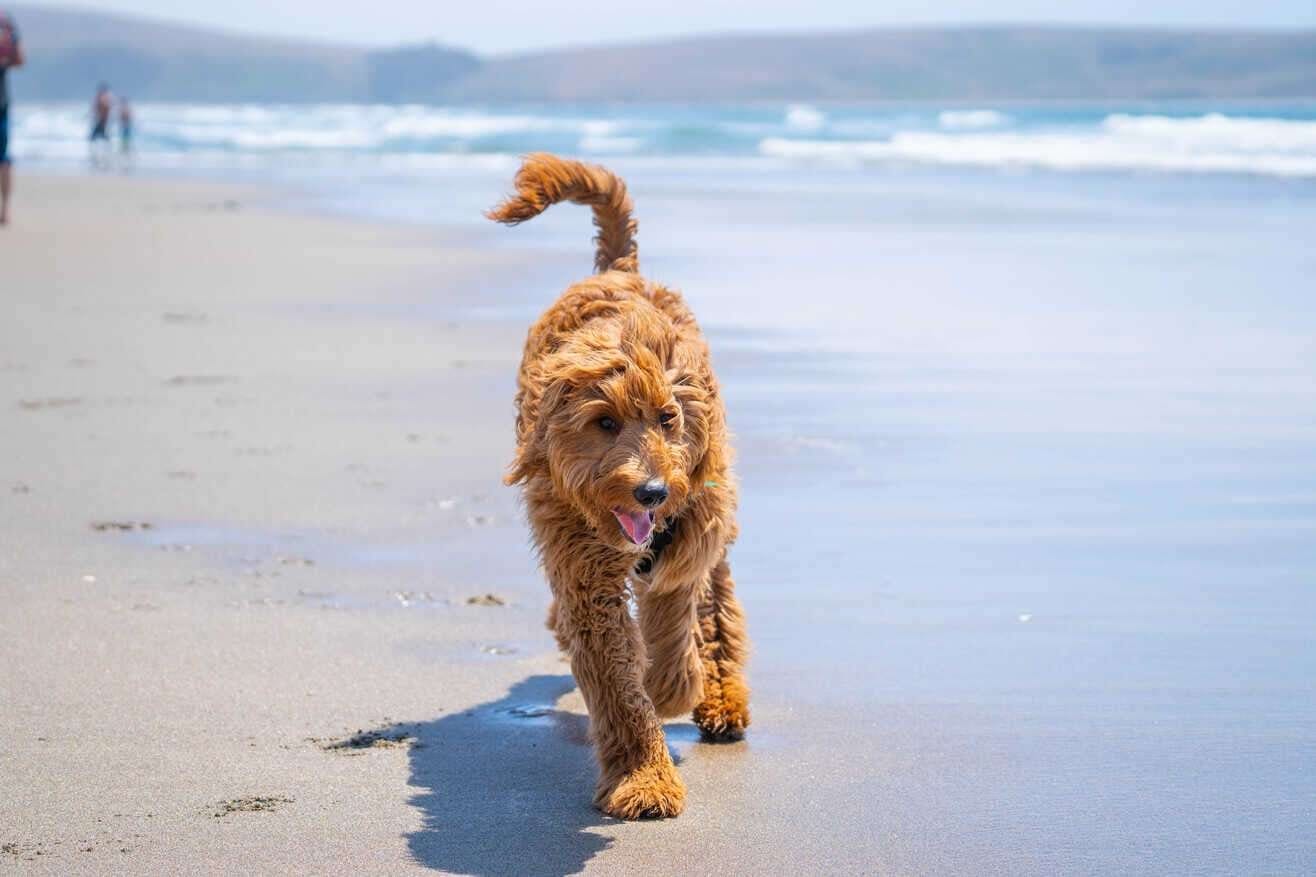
(11, 55)
(101, 107)
(125, 126)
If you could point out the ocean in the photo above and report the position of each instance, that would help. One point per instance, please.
(1272, 140)
(1025, 403)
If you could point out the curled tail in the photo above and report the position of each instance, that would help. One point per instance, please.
(546, 179)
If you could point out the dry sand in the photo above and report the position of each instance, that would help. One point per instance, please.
(247, 498)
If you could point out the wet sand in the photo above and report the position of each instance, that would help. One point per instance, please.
(1021, 603)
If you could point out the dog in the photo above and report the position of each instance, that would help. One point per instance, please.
(624, 459)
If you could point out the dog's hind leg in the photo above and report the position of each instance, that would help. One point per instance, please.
(723, 714)
(674, 678)
(637, 778)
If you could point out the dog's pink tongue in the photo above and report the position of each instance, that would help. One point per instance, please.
(636, 524)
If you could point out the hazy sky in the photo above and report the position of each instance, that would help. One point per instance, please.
(499, 25)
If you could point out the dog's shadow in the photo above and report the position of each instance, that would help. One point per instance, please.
(504, 788)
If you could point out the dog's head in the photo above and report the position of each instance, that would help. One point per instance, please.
(624, 422)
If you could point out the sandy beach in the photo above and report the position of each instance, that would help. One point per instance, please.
(1026, 553)
(250, 533)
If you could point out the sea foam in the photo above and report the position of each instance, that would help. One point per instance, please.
(802, 117)
(1207, 144)
(959, 120)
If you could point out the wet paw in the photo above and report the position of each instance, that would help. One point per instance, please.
(724, 718)
(651, 792)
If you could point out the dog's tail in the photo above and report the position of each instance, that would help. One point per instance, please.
(546, 179)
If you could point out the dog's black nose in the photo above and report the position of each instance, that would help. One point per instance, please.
(651, 493)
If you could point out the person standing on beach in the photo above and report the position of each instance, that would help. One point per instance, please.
(101, 107)
(11, 55)
(125, 126)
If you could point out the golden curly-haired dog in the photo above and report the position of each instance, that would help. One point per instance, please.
(622, 450)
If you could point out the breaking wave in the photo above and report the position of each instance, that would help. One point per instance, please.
(959, 120)
(1212, 143)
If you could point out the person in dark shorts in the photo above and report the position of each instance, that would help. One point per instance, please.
(102, 106)
(11, 55)
(100, 113)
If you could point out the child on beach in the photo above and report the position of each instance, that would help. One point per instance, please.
(125, 126)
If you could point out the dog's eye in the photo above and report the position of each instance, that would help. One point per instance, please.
(666, 418)
(607, 424)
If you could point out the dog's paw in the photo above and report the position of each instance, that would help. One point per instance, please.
(723, 718)
(654, 791)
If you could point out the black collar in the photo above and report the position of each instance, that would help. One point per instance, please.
(660, 541)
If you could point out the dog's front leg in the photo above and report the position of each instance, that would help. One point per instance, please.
(637, 778)
(674, 678)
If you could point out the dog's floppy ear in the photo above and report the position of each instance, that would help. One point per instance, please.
(696, 392)
(532, 428)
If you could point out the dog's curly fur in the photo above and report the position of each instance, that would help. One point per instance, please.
(615, 392)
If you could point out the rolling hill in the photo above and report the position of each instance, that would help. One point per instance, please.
(70, 50)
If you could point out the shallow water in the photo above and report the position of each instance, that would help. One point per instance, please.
(1058, 469)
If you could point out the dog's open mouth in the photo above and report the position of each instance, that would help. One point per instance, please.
(638, 525)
